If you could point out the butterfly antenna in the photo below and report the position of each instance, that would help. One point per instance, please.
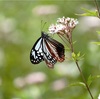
(43, 24)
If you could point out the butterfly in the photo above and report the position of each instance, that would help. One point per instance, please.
(47, 49)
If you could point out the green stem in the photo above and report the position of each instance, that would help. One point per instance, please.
(84, 80)
(72, 49)
(97, 8)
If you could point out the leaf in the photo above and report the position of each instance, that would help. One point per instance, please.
(95, 77)
(73, 55)
(98, 32)
(89, 13)
(77, 57)
(98, 43)
(91, 78)
(74, 42)
(89, 81)
(77, 84)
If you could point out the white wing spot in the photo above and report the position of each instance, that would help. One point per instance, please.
(33, 53)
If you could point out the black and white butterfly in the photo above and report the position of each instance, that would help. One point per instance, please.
(47, 49)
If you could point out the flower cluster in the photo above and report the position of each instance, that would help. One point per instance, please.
(63, 25)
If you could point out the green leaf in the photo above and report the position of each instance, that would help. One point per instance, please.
(98, 43)
(74, 42)
(77, 57)
(73, 55)
(98, 32)
(91, 78)
(89, 13)
(95, 77)
(77, 84)
(89, 81)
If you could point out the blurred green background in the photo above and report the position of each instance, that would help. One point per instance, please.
(20, 27)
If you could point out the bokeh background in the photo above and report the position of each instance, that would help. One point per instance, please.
(20, 27)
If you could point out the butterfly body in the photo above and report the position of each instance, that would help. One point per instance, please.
(47, 49)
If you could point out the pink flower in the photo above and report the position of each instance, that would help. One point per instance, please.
(56, 28)
(63, 25)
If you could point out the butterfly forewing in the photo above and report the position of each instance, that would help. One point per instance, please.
(36, 54)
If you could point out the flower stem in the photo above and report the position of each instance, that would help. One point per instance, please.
(97, 8)
(84, 79)
(76, 62)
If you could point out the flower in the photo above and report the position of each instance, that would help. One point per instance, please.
(56, 28)
(63, 25)
(63, 20)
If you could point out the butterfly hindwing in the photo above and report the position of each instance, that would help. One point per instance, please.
(58, 49)
(48, 57)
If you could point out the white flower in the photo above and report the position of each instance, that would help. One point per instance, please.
(73, 23)
(52, 29)
(56, 28)
(60, 27)
(63, 25)
(61, 20)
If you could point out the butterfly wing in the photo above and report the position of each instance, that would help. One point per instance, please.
(48, 57)
(36, 54)
(57, 49)
(53, 51)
